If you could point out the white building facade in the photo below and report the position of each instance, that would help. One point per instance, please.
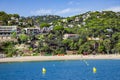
(6, 31)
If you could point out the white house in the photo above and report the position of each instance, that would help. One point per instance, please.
(6, 31)
(95, 39)
(32, 30)
(70, 36)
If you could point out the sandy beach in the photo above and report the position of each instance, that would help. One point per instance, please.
(50, 58)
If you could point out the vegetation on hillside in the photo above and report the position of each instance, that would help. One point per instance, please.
(31, 21)
(99, 33)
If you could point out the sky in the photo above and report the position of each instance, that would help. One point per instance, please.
(62, 8)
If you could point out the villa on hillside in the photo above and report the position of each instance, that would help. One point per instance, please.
(6, 31)
(70, 36)
(37, 30)
(92, 38)
(33, 31)
(46, 29)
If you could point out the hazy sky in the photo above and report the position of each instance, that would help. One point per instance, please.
(57, 7)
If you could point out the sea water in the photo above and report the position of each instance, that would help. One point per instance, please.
(61, 70)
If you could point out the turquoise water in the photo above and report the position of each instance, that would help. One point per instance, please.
(61, 70)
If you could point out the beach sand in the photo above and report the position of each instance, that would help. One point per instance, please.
(65, 57)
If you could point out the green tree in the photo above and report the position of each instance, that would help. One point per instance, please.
(44, 25)
(107, 44)
(9, 48)
(117, 47)
(86, 47)
(14, 35)
(100, 49)
(16, 15)
(58, 28)
(23, 38)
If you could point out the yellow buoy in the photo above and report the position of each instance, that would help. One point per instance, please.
(94, 70)
(43, 70)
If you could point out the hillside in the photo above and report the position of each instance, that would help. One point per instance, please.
(99, 31)
(92, 33)
(90, 19)
(31, 21)
(45, 18)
